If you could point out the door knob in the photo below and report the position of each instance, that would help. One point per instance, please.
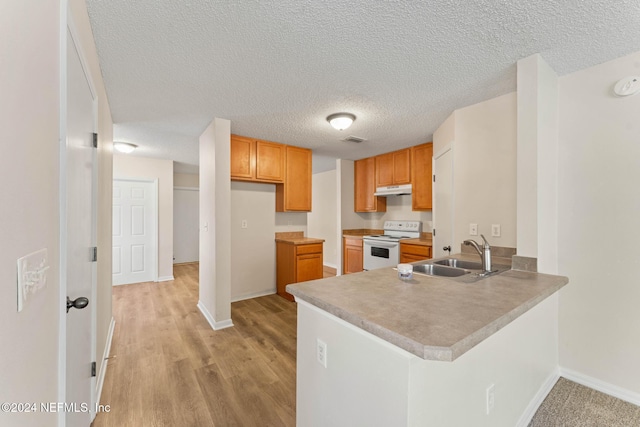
(447, 248)
(78, 303)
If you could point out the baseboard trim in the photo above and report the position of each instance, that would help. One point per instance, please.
(602, 386)
(253, 295)
(216, 326)
(165, 279)
(105, 360)
(537, 400)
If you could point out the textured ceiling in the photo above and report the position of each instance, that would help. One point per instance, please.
(277, 69)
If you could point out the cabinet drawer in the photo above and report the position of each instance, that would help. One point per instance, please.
(408, 258)
(420, 251)
(349, 241)
(314, 248)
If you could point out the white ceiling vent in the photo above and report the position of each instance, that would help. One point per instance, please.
(352, 138)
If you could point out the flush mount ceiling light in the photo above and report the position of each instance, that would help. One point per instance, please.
(341, 121)
(124, 147)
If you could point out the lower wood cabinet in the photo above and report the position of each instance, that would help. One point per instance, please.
(412, 252)
(352, 255)
(297, 263)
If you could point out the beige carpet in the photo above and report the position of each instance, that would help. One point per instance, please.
(574, 405)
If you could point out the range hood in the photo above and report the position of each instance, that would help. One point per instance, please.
(393, 190)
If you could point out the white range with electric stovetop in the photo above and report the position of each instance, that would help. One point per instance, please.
(383, 250)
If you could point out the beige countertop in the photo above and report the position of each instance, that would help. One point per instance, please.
(418, 241)
(435, 318)
(296, 238)
(360, 232)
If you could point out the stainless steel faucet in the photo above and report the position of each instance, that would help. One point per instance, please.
(485, 253)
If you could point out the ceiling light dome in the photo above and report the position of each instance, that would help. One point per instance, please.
(341, 121)
(124, 147)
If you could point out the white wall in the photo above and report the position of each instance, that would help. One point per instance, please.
(537, 200)
(484, 140)
(186, 180)
(321, 222)
(30, 88)
(125, 166)
(598, 206)
(29, 217)
(253, 249)
(485, 170)
(398, 208)
(186, 217)
(215, 224)
(370, 382)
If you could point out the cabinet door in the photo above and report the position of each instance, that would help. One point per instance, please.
(402, 167)
(411, 253)
(243, 158)
(352, 258)
(309, 267)
(384, 170)
(365, 186)
(270, 158)
(295, 194)
(422, 180)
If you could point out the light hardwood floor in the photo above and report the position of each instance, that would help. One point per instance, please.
(169, 368)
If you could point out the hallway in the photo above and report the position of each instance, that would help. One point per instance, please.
(168, 367)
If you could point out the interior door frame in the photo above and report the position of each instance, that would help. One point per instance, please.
(447, 148)
(156, 220)
(68, 27)
(179, 188)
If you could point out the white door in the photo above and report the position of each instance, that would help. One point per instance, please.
(134, 232)
(443, 203)
(186, 217)
(79, 214)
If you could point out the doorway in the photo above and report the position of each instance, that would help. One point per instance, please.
(78, 231)
(186, 217)
(135, 231)
(443, 202)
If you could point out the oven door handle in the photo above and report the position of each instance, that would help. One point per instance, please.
(381, 244)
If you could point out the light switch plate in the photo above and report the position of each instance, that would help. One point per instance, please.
(473, 229)
(31, 275)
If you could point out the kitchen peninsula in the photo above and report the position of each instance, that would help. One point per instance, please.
(424, 352)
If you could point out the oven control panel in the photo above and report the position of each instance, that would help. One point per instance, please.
(412, 226)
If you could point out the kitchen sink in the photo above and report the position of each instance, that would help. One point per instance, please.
(439, 270)
(458, 263)
(457, 269)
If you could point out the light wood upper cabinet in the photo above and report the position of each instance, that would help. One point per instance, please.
(393, 168)
(243, 158)
(421, 177)
(270, 161)
(294, 195)
(365, 186)
(256, 160)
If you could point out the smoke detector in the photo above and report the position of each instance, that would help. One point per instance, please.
(628, 86)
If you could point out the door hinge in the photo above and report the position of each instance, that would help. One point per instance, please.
(95, 140)
(434, 232)
(93, 369)
(434, 178)
(94, 254)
